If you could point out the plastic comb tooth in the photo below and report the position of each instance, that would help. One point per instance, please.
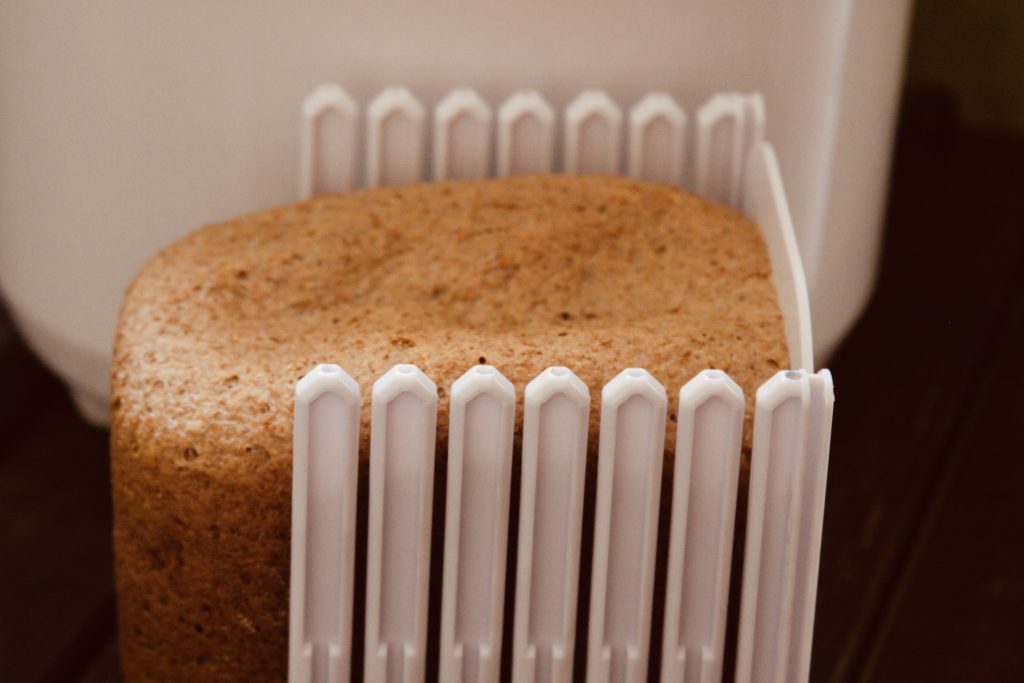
(325, 476)
(402, 443)
(792, 428)
(721, 132)
(657, 139)
(707, 459)
(481, 423)
(462, 136)
(395, 122)
(328, 144)
(526, 135)
(626, 527)
(593, 134)
(555, 426)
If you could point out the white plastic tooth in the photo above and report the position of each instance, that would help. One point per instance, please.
(708, 440)
(462, 136)
(792, 429)
(657, 139)
(630, 457)
(720, 155)
(555, 426)
(481, 424)
(395, 138)
(324, 475)
(328, 145)
(402, 442)
(593, 134)
(526, 135)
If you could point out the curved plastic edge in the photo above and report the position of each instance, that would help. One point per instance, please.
(328, 141)
(764, 200)
(402, 445)
(708, 441)
(481, 424)
(651, 158)
(789, 465)
(324, 478)
(462, 136)
(630, 455)
(554, 457)
(526, 135)
(395, 122)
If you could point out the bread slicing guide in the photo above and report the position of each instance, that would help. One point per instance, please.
(729, 161)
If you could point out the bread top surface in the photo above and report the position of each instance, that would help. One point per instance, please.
(597, 273)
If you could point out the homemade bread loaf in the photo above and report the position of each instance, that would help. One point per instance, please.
(594, 273)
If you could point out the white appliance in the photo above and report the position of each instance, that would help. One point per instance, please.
(124, 125)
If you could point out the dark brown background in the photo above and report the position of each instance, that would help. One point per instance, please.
(922, 569)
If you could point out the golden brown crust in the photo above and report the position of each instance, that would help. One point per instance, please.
(595, 273)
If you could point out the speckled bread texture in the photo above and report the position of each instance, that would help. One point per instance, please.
(594, 273)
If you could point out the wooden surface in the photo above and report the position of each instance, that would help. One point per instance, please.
(922, 573)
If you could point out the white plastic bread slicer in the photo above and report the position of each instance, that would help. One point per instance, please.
(793, 415)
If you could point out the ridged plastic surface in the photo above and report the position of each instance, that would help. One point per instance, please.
(793, 417)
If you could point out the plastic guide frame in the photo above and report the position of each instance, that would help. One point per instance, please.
(793, 415)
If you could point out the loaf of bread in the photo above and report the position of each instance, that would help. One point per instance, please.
(593, 273)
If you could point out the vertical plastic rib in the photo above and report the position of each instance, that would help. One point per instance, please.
(395, 123)
(324, 479)
(328, 145)
(593, 134)
(707, 463)
(792, 429)
(555, 428)
(721, 133)
(657, 139)
(481, 423)
(462, 136)
(526, 135)
(626, 527)
(402, 442)
(753, 124)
